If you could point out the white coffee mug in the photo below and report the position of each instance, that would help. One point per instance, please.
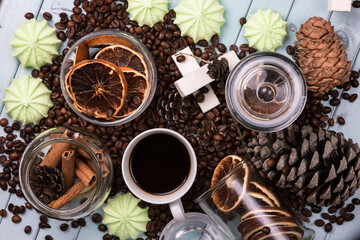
(173, 199)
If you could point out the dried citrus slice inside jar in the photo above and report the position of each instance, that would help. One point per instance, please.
(97, 87)
(138, 85)
(123, 56)
(228, 196)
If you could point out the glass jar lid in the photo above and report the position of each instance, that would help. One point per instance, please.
(266, 92)
(197, 226)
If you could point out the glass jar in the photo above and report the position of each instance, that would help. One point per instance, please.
(266, 92)
(127, 40)
(93, 153)
(245, 207)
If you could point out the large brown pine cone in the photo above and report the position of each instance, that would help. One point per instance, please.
(319, 167)
(322, 57)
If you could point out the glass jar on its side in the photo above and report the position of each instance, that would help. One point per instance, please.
(89, 198)
(127, 40)
(245, 207)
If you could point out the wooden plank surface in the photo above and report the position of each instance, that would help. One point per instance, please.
(294, 11)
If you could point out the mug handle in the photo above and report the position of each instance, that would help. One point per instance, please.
(177, 209)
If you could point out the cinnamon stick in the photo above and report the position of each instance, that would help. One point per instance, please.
(104, 170)
(68, 168)
(85, 173)
(68, 196)
(53, 157)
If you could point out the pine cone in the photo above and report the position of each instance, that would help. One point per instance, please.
(319, 167)
(213, 137)
(219, 69)
(172, 107)
(322, 57)
(47, 183)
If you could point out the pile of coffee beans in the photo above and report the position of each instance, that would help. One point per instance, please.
(162, 40)
(338, 214)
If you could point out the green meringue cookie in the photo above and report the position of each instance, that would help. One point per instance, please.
(35, 44)
(27, 100)
(265, 30)
(147, 12)
(124, 218)
(199, 19)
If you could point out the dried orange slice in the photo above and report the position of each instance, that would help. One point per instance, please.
(97, 87)
(123, 56)
(107, 40)
(228, 196)
(138, 85)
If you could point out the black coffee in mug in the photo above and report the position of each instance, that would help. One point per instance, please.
(160, 164)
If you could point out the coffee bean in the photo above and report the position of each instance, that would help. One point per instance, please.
(221, 47)
(96, 218)
(42, 225)
(28, 205)
(354, 83)
(332, 218)
(64, 227)
(349, 217)
(343, 211)
(356, 4)
(43, 219)
(202, 43)
(242, 21)
(355, 201)
(180, 58)
(306, 212)
(319, 222)
(215, 40)
(200, 97)
(16, 219)
(48, 237)
(82, 222)
(353, 97)
(332, 209)
(74, 224)
(347, 87)
(340, 205)
(345, 96)
(204, 90)
(4, 122)
(328, 227)
(47, 16)
(27, 229)
(350, 207)
(3, 213)
(234, 48)
(102, 228)
(331, 122)
(340, 220)
(334, 102)
(266, 230)
(354, 74)
(107, 237)
(290, 50)
(316, 209)
(341, 120)
(29, 15)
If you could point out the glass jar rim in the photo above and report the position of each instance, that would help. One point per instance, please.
(63, 214)
(221, 183)
(142, 49)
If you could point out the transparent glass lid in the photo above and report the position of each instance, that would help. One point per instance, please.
(195, 226)
(266, 92)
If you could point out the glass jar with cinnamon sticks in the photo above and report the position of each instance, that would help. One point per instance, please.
(66, 173)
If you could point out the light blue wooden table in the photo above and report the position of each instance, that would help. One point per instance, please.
(294, 11)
